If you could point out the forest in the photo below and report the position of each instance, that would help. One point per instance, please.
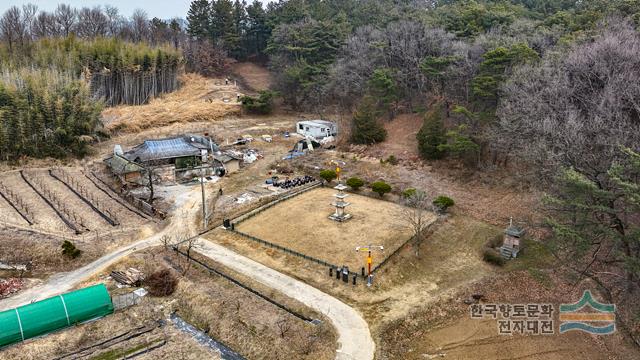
(548, 89)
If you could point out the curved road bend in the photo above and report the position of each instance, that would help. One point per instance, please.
(354, 338)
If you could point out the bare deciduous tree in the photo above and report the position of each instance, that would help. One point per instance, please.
(12, 27)
(92, 23)
(167, 242)
(65, 18)
(140, 25)
(417, 214)
(44, 25)
(114, 20)
(575, 110)
(402, 47)
(189, 244)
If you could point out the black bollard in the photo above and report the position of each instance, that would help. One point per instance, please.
(345, 275)
(354, 278)
(338, 271)
(330, 272)
(363, 271)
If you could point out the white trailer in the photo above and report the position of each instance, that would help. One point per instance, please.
(318, 129)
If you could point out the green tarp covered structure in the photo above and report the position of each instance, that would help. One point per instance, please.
(54, 313)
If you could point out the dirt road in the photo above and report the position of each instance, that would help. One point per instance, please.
(354, 338)
(62, 282)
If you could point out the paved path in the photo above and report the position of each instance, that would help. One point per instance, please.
(63, 282)
(354, 338)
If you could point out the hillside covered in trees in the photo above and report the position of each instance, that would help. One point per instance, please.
(548, 89)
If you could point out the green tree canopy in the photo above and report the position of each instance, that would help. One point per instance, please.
(432, 134)
(365, 126)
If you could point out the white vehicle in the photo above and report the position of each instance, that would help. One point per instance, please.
(317, 129)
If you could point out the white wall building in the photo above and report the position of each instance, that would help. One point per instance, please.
(317, 128)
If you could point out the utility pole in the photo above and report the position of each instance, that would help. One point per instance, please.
(204, 203)
(368, 250)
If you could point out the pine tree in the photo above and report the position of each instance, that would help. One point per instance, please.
(234, 40)
(221, 25)
(365, 127)
(257, 30)
(198, 18)
(432, 135)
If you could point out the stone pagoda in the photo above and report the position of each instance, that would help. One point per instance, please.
(340, 204)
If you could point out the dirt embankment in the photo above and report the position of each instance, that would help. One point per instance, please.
(252, 76)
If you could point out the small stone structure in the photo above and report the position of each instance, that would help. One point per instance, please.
(340, 215)
(511, 243)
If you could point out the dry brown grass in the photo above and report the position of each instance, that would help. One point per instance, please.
(199, 99)
(302, 224)
(254, 76)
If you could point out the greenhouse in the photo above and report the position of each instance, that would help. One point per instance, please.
(54, 313)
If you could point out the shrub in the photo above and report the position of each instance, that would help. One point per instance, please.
(355, 183)
(431, 135)
(161, 283)
(392, 160)
(381, 188)
(407, 193)
(495, 241)
(263, 104)
(69, 250)
(443, 202)
(328, 175)
(493, 257)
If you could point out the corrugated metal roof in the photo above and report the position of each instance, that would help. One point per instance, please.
(121, 165)
(54, 313)
(188, 145)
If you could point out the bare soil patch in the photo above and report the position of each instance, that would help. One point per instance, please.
(492, 197)
(302, 224)
(48, 221)
(252, 75)
(451, 257)
(401, 139)
(446, 330)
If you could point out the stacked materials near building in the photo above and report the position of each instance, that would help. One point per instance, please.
(55, 313)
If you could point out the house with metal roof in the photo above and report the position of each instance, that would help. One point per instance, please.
(128, 170)
(166, 151)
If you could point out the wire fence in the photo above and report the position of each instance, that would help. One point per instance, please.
(399, 248)
(236, 282)
(250, 214)
(262, 208)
